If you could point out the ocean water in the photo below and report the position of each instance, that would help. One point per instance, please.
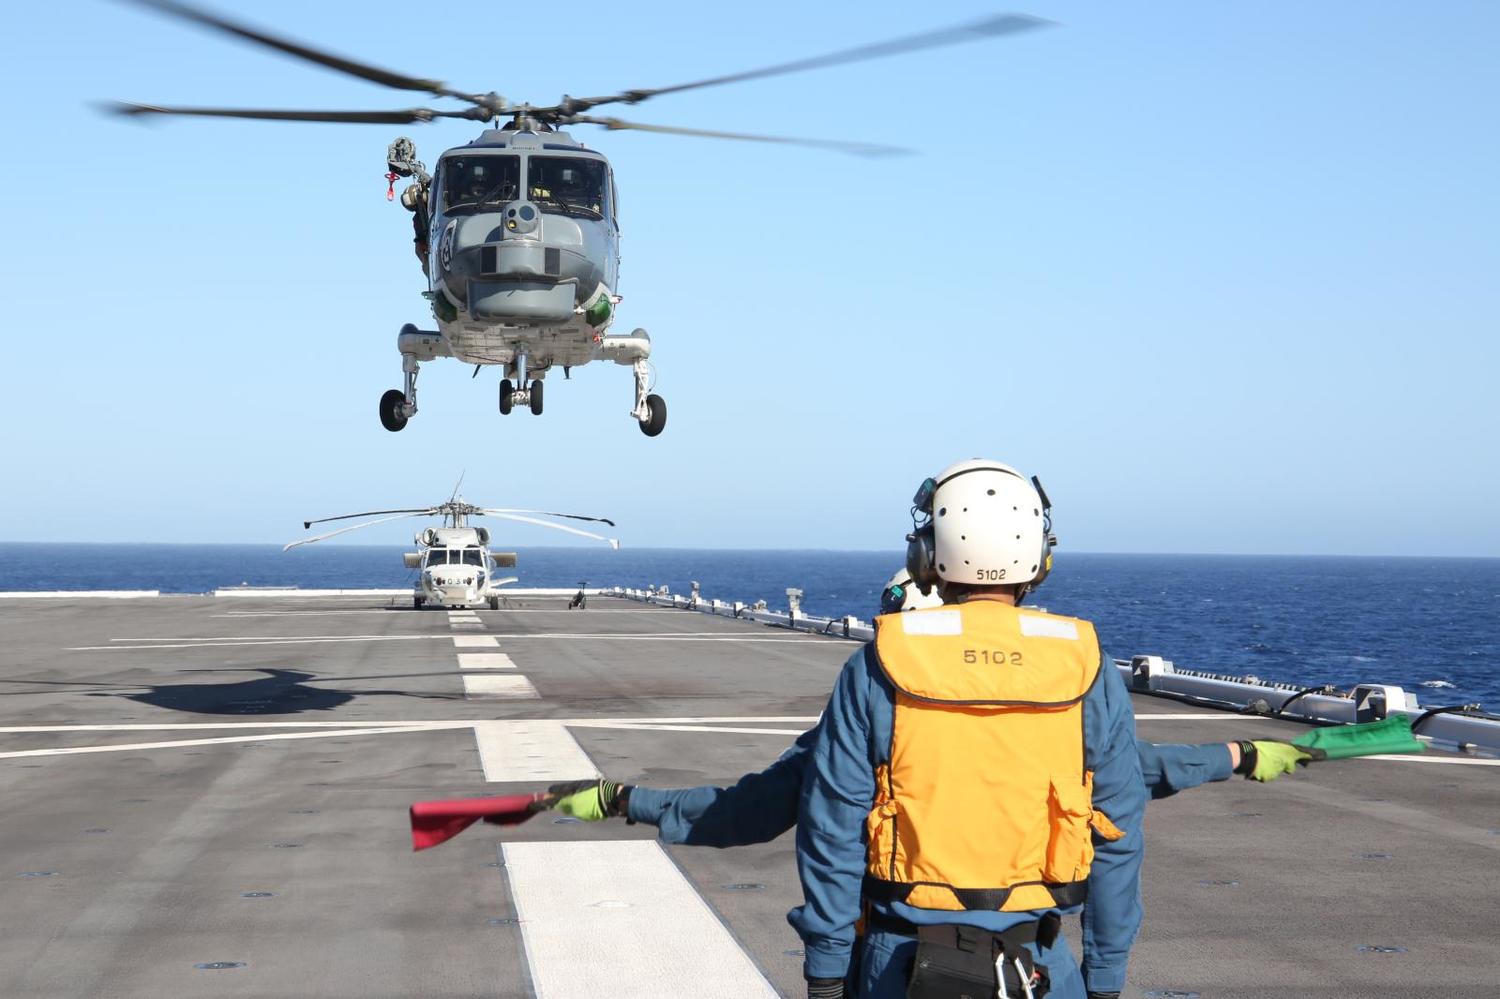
(1307, 620)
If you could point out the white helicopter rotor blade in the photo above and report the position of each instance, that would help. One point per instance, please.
(548, 513)
(351, 527)
(612, 542)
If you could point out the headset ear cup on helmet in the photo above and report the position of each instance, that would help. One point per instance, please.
(920, 559)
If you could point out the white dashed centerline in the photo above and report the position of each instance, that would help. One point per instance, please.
(624, 898)
(485, 660)
(503, 686)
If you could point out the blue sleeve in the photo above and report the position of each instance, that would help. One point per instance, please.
(1169, 768)
(1112, 914)
(757, 809)
(838, 790)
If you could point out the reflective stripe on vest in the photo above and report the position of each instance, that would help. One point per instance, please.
(985, 803)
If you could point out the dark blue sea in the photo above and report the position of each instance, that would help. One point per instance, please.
(1410, 621)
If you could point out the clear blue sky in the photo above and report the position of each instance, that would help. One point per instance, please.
(1227, 276)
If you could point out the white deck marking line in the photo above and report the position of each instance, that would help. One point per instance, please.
(706, 728)
(531, 751)
(611, 722)
(485, 660)
(506, 686)
(389, 611)
(1209, 716)
(272, 638)
(685, 637)
(327, 734)
(617, 918)
(1451, 760)
(221, 644)
(474, 642)
(201, 726)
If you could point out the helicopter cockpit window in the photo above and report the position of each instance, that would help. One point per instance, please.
(477, 181)
(471, 557)
(437, 556)
(570, 185)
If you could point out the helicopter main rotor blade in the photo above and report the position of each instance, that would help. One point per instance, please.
(837, 145)
(407, 117)
(351, 527)
(384, 77)
(549, 513)
(429, 510)
(612, 542)
(989, 27)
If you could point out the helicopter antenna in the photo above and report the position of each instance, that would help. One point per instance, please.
(454, 498)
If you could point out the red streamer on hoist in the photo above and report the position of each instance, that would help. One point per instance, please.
(390, 190)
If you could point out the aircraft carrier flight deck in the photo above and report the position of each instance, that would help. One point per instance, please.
(208, 797)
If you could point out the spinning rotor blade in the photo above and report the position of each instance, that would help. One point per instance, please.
(613, 542)
(990, 27)
(548, 513)
(407, 117)
(351, 527)
(429, 510)
(853, 148)
(364, 71)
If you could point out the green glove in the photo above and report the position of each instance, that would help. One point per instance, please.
(1266, 759)
(589, 800)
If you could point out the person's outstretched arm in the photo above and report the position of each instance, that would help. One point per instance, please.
(757, 809)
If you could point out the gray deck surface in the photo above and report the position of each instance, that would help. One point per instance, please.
(120, 870)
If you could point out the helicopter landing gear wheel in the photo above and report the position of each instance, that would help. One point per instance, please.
(393, 410)
(536, 397)
(507, 396)
(417, 602)
(494, 603)
(656, 421)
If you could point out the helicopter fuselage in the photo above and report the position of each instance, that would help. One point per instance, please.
(523, 261)
(517, 262)
(456, 568)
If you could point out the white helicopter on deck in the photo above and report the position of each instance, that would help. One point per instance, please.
(457, 567)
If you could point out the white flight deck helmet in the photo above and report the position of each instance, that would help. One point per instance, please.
(901, 594)
(980, 523)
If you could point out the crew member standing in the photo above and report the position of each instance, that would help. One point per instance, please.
(974, 778)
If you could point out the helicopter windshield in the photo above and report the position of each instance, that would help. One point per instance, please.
(437, 556)
(471, 557)
(571, 185)
(472, 181)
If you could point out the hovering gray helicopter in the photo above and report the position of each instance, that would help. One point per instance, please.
(517, 231)
(457, 567)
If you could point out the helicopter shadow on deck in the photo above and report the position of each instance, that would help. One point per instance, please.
(279, 692)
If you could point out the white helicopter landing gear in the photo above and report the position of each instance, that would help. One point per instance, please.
(650, 409)
(398, 406)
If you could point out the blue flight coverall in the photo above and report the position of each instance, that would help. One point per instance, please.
(762, 806)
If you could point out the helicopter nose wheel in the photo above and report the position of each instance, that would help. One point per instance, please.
(393, 410)
(507, 396)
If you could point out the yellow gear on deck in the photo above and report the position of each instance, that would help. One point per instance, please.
(986, 803)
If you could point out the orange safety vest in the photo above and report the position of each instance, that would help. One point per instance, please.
(986, 802)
